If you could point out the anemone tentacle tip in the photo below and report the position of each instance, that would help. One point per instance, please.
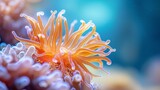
(41, 13)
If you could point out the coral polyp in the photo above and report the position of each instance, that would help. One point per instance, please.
(69, 52)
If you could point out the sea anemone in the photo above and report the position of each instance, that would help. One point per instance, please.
(70, 52)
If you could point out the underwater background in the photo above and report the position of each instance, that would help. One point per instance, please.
(133, 26)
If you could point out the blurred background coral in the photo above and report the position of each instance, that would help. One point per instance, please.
(133, 26)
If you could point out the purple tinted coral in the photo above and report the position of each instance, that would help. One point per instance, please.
(19, 71)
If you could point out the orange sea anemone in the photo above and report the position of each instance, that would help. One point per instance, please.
(70, 52)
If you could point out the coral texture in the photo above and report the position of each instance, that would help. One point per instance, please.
(19, 71)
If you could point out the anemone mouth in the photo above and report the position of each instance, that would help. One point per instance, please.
(74, 50)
